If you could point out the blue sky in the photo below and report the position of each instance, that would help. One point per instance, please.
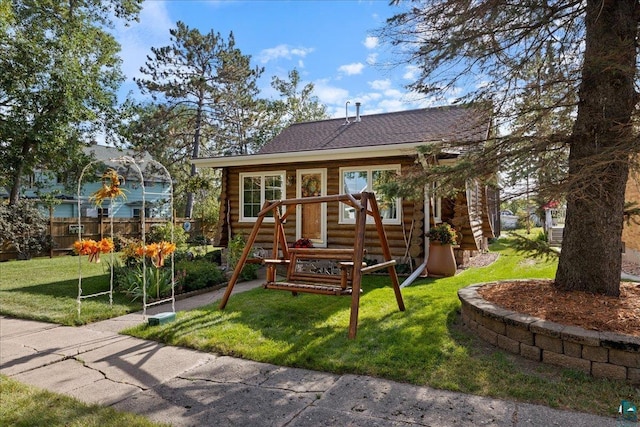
(330, 42)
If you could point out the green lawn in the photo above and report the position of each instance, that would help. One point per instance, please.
(46, 289)
(425, 345)
(28, 406)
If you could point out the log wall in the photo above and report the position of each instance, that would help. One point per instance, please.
(631, 232)
(409, 234)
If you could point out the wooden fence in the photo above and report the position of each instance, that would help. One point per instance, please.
(64, 231)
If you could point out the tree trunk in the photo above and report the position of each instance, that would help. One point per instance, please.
(600, 146)
(16, 182)
(188, 209)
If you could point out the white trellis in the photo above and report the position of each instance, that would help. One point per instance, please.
(129, 161)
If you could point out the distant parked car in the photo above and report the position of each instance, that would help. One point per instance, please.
(508, 220)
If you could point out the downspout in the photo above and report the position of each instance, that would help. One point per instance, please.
(427, 224)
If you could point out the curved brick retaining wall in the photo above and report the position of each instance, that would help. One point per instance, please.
(600, 354)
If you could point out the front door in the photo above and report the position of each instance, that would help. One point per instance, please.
(312, 218)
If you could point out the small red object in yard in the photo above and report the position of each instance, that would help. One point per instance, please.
(303, 243)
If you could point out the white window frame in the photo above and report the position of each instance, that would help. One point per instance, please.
(370, 169)
(262, 175)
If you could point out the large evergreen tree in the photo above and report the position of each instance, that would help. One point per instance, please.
(295, 103)
(237, 103)
(207, 82)
(59, 72)
(490, 47)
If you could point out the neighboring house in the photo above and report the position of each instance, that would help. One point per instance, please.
(554, 217)
(353, 155)
(157, 187)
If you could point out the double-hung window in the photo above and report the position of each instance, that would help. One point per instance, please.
(256, 188)
(370, 178)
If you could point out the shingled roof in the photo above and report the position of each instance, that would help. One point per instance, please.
(374, 136)
(455, 124)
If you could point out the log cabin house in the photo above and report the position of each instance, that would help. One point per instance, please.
(631, 230)
(352, 154)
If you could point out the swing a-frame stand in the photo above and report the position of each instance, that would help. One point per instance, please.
(348, 261)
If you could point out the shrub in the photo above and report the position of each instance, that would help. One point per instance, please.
(199, 239)
(160, 233)
(198, 274)
(129, 280)
(249, 272)
(234, 252)
(128, 252)
(23, 226)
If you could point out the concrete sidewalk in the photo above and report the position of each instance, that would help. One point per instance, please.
(191, 388)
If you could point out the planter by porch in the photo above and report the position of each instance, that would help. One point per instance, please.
(441, 261)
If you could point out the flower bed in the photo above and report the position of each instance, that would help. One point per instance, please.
(600, 354)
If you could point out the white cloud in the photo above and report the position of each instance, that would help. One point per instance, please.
(328, 94)
(393, 93)
(393, 105)
(380, 84)
(373, 96)
(371, 42)
(411, 72)
(137, 39)
(352, 69)
(372, 58)
(282, 51)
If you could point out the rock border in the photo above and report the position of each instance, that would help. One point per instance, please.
(599, 354)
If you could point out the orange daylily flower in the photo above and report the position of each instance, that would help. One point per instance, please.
(156, 251)
(106, 245)
(164, 249)
(92, 248)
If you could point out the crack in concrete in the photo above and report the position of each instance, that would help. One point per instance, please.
(39, 352)
(514, 416)
(297, 414)
(106, 377)
(259, 385)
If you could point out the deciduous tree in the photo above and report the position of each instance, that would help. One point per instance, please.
(59, 71)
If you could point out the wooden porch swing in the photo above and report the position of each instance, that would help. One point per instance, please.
(348, 261)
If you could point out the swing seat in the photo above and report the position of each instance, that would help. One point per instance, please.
(315, 271)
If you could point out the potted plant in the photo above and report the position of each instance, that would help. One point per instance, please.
(443, 234)
(441, 261)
